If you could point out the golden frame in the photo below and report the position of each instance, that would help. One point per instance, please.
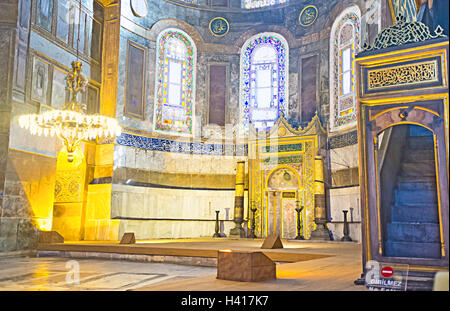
(218, 18)
(266, 192)
(302, 182)
(364, 152)
(301, 13)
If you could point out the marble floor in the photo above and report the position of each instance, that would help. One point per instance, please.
(334, 272)
(67, 274)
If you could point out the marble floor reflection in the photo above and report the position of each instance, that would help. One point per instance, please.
(66, 274)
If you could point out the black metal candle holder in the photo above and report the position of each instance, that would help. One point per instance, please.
(253, 227)
(217, 234)
(299, 224)
(346, 236)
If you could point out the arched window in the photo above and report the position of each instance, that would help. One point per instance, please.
(343, 46)
(253, 4)
(264, 65)
(174, 87)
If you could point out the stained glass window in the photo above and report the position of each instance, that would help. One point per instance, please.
(253, 4)
(264, 80)
(175, 66)
(344, 44)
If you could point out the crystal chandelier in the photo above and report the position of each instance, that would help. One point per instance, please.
(71, 124)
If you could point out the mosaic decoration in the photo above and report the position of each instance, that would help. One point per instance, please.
(253, 4)
(343, 140)
(404, 32)
(309, 224)
(219, 26)
(345, 44)
(264, 56)
(165, 145)
(407, 8)
(403, 75)
(308, 16)
(174, 100)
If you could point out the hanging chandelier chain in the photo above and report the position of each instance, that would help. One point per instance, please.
(79, 27)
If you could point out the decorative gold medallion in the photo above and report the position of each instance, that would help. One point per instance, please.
(308, 16)
(281, 131)
(219, 26)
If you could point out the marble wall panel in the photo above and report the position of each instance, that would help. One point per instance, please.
(345, 157)
(171, 229)
(337, 229)
(345, 199)
(8, 233)
(146, 202)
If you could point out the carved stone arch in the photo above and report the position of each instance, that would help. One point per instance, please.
(282, 31)
(334, 100)
(163, 24)
(283, 178)
(401, 115)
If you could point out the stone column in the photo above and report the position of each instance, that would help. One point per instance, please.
(320, 211)
(239, 201)
(19, 174)
(98, 224)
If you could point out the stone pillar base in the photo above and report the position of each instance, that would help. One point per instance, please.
(321, 233)
(237, 232)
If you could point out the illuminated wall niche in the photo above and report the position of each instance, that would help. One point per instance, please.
(174, 87)
(264, 80)
(344, 43)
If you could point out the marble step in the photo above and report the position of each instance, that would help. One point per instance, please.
(413, 232)
(414, 197)
(416, 186)
(424, 168)
(414, 250)
(420, 142)
(416, 179)
(418, 155)
(424, 213)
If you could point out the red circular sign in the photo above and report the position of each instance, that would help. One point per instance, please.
(387, 272)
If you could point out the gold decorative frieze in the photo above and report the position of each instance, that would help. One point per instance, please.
(403, 75)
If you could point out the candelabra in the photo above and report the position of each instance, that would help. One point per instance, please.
(299, 222)
(253, 227)
(346, 236)
(217, 234)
